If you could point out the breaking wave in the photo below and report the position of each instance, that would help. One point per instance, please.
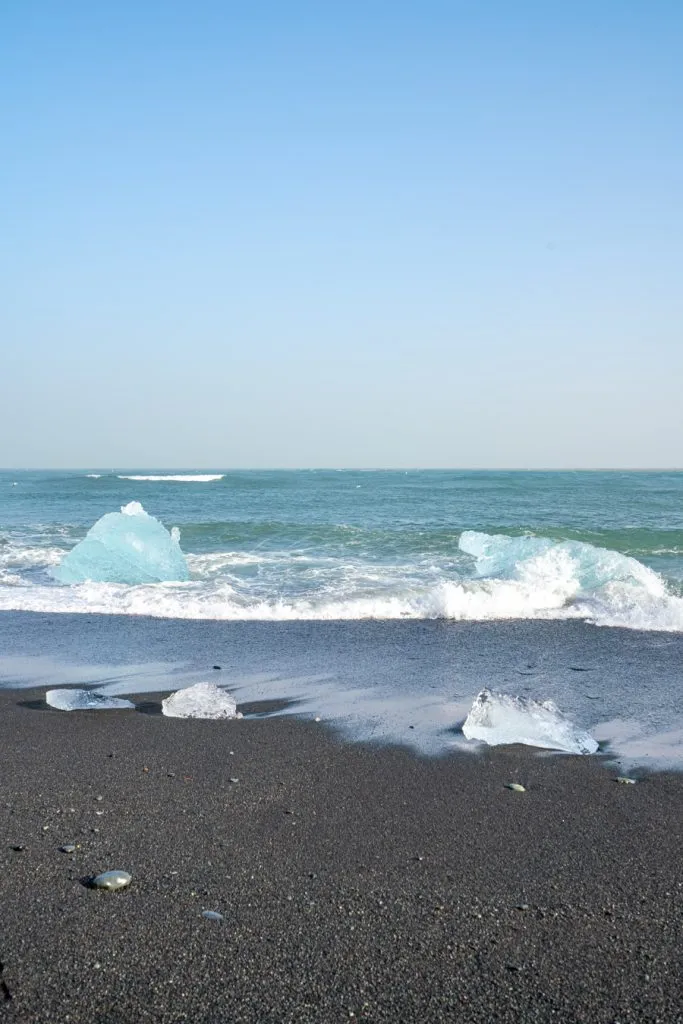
(184, 478)
(484, 577)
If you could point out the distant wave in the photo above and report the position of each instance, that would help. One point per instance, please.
(93, 476)
(187, 478)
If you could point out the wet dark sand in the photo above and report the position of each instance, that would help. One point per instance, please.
(355, 882)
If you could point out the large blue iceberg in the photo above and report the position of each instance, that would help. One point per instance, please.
(129, 546)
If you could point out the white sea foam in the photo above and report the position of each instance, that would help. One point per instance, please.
(184, 478)
(18, 557)
(638, 743)
(499, 718)
(9, 579)
(223, 601)
(215, 562)
(509, 578)
(93, 476)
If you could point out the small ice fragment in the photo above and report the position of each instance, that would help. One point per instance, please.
(212, 915)
(497, 718)
(68, 848)
(625, 780)
(112, 880)
(84, 700)
(516, 786)
(129, 546)
(203, 700)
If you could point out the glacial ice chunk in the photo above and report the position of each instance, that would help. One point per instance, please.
(84, 700)
(203, 700)
(129, 546)
(573, 565)
(498, 718)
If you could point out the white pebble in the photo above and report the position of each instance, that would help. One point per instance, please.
(212, 915)
(112, 880)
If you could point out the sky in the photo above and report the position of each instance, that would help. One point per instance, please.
(377, 233)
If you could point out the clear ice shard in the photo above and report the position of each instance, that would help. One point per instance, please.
(499, 718)
(203, 700)
(84, 700)
(129, 546)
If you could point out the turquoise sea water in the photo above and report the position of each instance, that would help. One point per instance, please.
(604, 547)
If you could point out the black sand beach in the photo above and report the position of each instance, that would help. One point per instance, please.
(355, 882)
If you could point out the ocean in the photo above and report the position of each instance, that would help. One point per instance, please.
(384, 600)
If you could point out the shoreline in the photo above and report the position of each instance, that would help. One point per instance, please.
(354, 880)
(398, 682)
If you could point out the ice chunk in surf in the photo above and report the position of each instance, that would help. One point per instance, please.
(129, 546)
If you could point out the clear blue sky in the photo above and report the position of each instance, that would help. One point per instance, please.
(341, 234)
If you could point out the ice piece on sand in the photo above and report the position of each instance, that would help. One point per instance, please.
(129, 546)
(497, 718)
(84, 700)
(203, 700)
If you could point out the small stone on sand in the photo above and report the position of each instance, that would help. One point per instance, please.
(212, 915)
(112, 880)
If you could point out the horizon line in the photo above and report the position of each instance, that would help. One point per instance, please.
(344, 469)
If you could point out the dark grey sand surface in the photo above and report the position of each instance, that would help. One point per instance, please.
(355, 882)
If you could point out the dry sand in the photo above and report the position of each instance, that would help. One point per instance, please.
(355, 882)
